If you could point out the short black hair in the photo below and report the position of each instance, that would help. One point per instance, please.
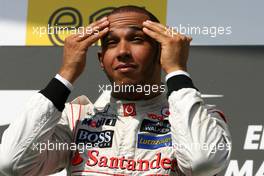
(133, 8)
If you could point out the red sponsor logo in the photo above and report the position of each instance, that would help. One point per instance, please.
(77, 159)
(93, 124)
(155, 116)
(129, 109)
(130, 164)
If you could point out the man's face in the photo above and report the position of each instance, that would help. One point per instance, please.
(128, 55)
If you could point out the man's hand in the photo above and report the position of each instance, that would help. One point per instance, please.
(75, 49)
(174, 48)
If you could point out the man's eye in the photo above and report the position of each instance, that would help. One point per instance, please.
(110, 42)
(138, 38)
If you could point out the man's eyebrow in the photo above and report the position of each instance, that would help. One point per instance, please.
(110, 33)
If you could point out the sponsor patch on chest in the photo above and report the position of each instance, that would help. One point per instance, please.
(102, 139)
(98, 122)
(157, 127)
(153, 142)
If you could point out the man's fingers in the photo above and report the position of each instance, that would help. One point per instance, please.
(165, 30)
(73, 36)
(93, 38)
(189, 38)
(96, 23)
(153, 34)
(157, 27)
(185, 38)
(93, 30)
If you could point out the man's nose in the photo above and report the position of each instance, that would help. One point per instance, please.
(124, 51)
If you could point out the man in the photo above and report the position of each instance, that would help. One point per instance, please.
(129, 132)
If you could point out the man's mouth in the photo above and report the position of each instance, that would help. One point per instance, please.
(125, 67)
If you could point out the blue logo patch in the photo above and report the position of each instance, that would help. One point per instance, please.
(153, 142)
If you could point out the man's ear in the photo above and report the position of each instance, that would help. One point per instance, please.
(100, 58)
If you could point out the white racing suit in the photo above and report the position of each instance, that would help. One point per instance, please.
(159, 136)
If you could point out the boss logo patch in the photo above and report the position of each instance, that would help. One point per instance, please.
(102, 139)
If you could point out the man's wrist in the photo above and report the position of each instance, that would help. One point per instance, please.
(64, 81)
(170, 69)
(57, 93)
(175, 73)
(177, 80)
(68, 74)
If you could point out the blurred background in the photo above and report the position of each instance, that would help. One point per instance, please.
(226, 58)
